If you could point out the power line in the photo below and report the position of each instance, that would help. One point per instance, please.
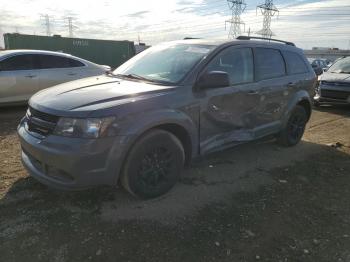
(158, 27)
(46, 23)
(237, 8)
(70, 25)
(268, 10)
(192, 24)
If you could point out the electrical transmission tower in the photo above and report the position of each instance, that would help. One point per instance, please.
(237, 7)
(46, 23)
(71, 25)
(268, 10)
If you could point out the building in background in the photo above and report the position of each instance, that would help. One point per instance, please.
(103, 52)
(326, 53)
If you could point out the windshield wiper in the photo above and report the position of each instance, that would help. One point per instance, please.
(135, 76)
(138, 77)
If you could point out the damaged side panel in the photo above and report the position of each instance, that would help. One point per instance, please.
(228, 115)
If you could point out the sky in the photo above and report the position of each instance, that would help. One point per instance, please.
(307, 23)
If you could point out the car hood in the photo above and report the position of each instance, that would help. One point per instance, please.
(335, 77)
(94, 93)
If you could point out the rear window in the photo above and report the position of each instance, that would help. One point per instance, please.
(269, 63)
(75, 63)
(19, 62)
(295, 64)
(51, 61)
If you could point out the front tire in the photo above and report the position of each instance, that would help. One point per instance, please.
(295, 127)
(153, 165)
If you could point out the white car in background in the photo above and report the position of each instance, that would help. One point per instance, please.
(25, 72)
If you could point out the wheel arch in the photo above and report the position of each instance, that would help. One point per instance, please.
(182, 134)
(307, 106)
(174, 122)
(301, 98)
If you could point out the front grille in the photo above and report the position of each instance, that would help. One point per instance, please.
(335, 94)
(41, 123)
(332, 83)
(43, 116)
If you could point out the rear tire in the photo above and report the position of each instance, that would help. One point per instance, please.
(153, 165)
(295, 127)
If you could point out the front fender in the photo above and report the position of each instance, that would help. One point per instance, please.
(136, 125)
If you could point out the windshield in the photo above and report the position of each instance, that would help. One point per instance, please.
(341, 66)
(164, 63)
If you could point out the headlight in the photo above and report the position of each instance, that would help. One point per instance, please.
(317, 88)
(86, 128)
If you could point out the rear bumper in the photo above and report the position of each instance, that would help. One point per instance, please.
(72, 163)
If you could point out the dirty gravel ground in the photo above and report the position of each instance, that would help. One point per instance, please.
(255, 202)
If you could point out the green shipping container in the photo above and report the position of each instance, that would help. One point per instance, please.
(104, 52)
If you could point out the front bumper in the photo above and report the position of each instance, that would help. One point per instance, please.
(325, 100)
(72, 163)
(332, 96)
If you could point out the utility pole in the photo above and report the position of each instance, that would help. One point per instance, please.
(237, 7)
(46, 23)
(268, 10)
(71, 25)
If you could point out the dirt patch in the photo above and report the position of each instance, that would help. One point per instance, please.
(10, 164)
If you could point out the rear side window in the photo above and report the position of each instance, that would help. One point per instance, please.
(295, 64)
(51, 61)
(75, 63)
(19, 62)
(236, 62)
(269, 63)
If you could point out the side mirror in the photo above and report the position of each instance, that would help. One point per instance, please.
(318, 71)
(213, 79)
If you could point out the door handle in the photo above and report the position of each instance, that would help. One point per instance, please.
(72, 74)
(291, 84)
(30, 76)
(252, 92)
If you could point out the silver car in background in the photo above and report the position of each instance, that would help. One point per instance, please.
(25, 72)
(334, 87)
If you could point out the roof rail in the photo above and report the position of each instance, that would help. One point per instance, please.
(243, 37)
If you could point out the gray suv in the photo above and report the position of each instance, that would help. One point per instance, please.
(140, 124)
